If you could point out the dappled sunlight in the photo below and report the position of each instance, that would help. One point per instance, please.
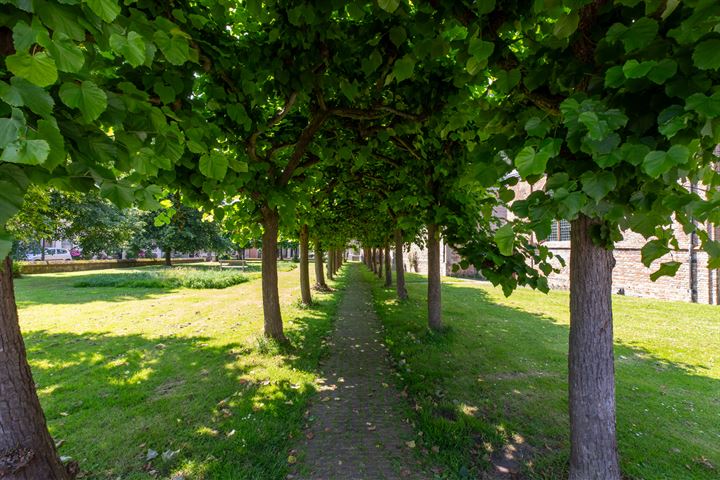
(503, 368)
(182, 371)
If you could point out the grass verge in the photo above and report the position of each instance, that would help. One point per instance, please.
(125, 373)
(497, 378)
(167, 278)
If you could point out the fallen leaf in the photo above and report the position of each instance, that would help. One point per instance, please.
(410, 444)
(151, 454)
(292, 459)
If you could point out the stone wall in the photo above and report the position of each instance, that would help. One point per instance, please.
(57, 266)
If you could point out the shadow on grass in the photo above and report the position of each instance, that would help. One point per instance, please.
(217, 410)
(495, 386)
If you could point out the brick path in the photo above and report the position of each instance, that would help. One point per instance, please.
(356, 428)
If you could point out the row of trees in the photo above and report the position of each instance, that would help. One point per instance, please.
(383, 121)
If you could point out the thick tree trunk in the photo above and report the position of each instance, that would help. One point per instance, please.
(168, 258)
(271, 296)
(320, 283)
(593, 441)
(42, 249)
(388, 268)
(304, 266)
(399, 266)
(27, 452)
(330, 265)
(434, 299)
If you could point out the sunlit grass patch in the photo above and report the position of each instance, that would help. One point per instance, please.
(497, 380)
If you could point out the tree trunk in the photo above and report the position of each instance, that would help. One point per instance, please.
(319, 273)
(330, 268)
(42, 249)
(168, 257)
(399, 266)
(434, 299)
(271, 296)
(593, 442)
(304, 266)
(388, 269)
(380, 263)
(27, 452)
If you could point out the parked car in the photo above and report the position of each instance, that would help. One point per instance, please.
(51, 254)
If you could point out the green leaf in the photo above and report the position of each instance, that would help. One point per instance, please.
(640, 34)
(370, 64)
(656, 163)
(131, 47)
(38, 69)
(663, 71)
(88, 97)
(28, 152)
(8, 131)
(105, 9)
(598, 184)
(707, 105)
(174, 47)
(707, 55)
(635, 69)
(537, 127)
(389, 5)
(120, 195)
(566, 25)
(67, 55)
(404, 68)
(666, 269)
(35, 98)
(214, 165)
(398, 35)
(614, 77)
(505, 239)
(653, 250)
(49, 132)
(480, 49)
(529, 163)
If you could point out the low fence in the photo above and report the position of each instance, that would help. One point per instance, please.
(57, 266)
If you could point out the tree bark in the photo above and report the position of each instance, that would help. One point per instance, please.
(388, 269)
(271, 296)
(399, 266)
(168, 257)
(330, 265)
(27, 452)
(42, 249)
(380, 263)
(434, 295)
(304, 266)
(593, 452)
(319, 273)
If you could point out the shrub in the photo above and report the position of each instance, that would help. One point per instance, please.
(15, 269)
(167, 278)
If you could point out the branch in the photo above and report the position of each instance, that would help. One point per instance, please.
(406, 147)
(400, 113)
(358, 113)
(301, 146)
(252, 141)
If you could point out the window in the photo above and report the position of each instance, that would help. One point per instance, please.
(559, 231)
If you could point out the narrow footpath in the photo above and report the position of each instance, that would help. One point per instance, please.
(356, 429)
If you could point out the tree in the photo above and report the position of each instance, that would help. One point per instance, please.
(72, 116)
(611, 103)
(179, 229)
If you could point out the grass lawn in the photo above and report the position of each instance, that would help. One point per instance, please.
(498, 377)
(181, 372)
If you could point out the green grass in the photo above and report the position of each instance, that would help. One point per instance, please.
(124, 370)
(498, 375)
(167, 278)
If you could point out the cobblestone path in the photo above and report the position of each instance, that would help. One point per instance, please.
(356, 429)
